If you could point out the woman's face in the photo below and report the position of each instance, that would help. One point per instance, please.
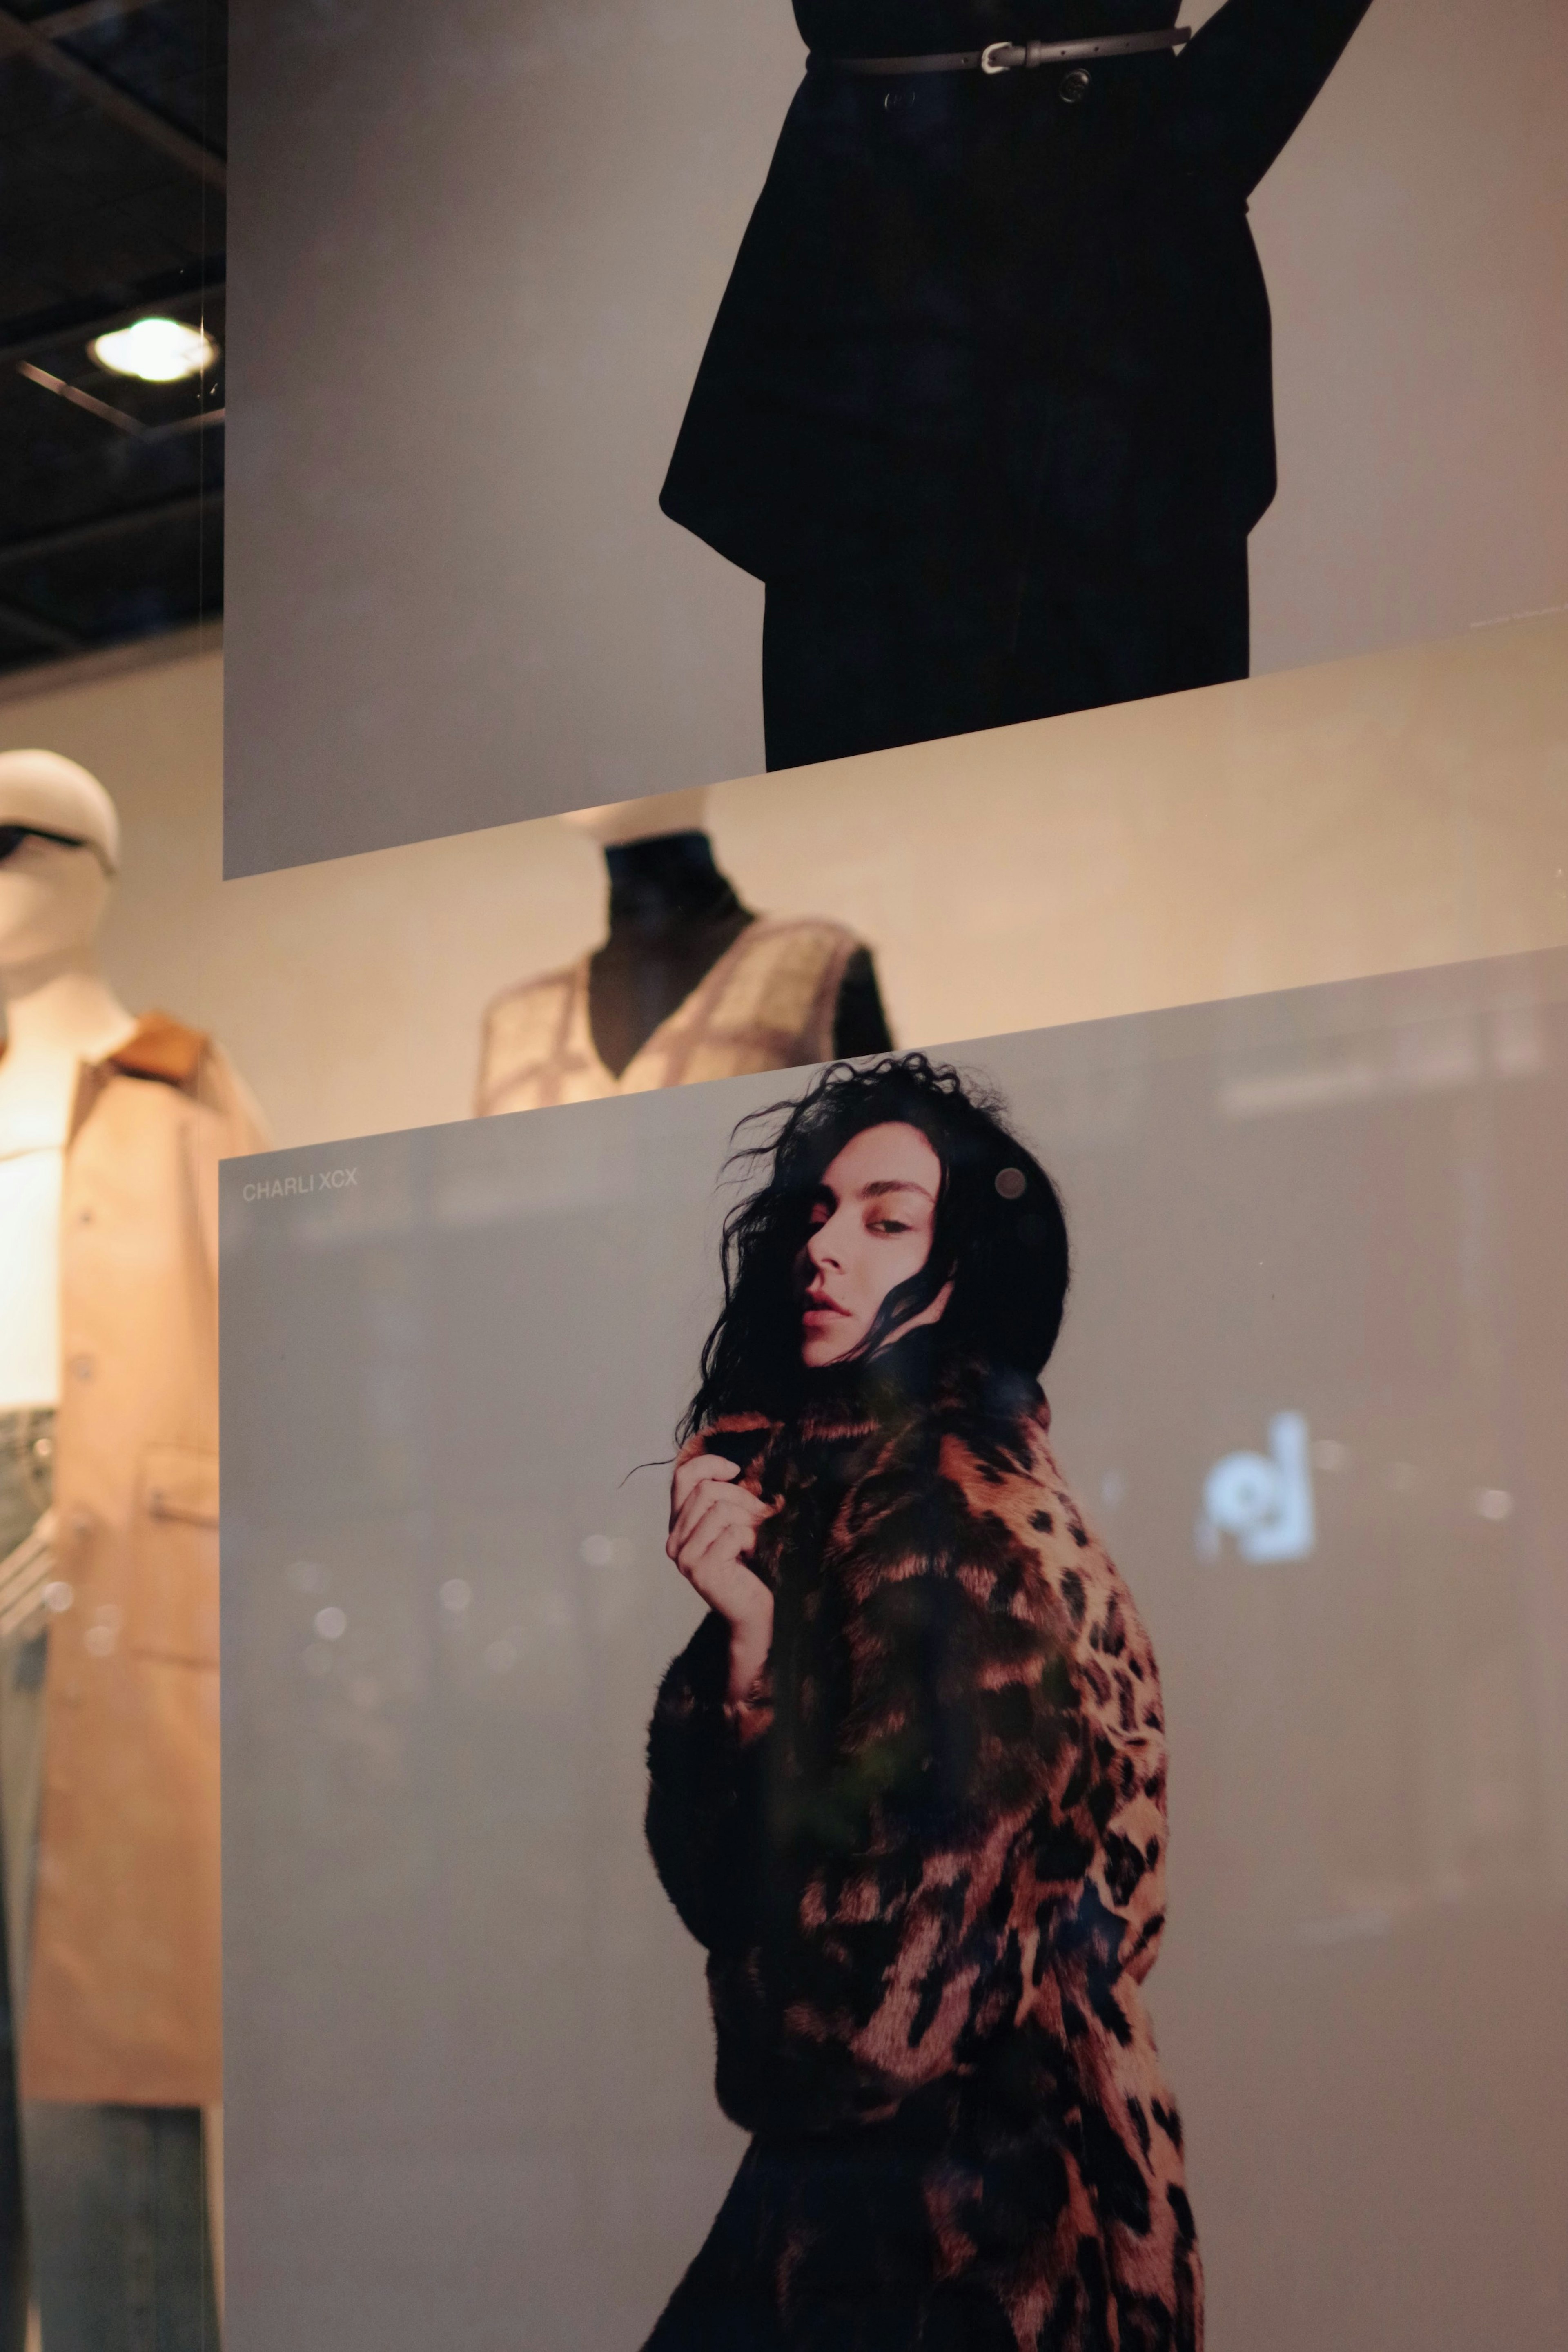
(871, 1229)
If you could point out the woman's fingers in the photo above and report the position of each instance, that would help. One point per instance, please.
(702, 1497)
(717, 1525)
(726, 1584)
(727, 1501)
(693, 1472)
(718, 1532)
(714, 1521)
(684, 1520)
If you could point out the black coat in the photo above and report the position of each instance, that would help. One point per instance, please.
(960, 296)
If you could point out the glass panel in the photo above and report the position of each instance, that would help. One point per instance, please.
(1308, 1390)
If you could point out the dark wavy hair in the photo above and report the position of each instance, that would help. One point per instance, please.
(1000, 1233)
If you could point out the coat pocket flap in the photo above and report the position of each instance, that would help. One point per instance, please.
(182, 1484)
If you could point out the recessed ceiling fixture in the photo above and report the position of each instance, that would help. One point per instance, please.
(159, 351)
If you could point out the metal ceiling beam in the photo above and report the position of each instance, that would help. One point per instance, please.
(59, 24)
(123, 421)
(42, 633)
(191, 506)
(63, 391)
(18, 39)
(34, 40)
(87, 330)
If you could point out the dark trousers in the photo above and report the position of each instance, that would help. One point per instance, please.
(926, 641)
(844, 2221)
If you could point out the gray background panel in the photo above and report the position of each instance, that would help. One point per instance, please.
(468, 2053)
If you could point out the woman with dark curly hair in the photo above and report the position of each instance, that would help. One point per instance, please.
(907, 1780)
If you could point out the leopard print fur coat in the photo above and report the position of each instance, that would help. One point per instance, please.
(929, 1890)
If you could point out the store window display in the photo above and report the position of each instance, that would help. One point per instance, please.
(689, 983)
(988, 403)
(110, 1130)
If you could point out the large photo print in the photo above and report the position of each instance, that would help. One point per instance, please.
(698, 1780)
(630, 396)
(907, 1780)
(987, 405)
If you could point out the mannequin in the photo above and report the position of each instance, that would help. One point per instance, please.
(110, 1128)
(60, 1013)
(688, 984)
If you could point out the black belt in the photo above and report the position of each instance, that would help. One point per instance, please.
(1012, 56)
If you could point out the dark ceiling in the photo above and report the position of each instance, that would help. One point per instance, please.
(113, 134)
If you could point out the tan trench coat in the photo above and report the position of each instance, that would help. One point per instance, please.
(123, 1991)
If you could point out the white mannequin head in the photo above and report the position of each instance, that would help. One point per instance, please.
(53, 892)
(618, 822)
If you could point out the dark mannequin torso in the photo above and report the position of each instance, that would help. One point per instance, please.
(671, 916)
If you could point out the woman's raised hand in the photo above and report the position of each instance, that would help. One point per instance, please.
(713, 1528)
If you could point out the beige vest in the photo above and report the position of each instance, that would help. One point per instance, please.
(769, 1003)
(123, 1994)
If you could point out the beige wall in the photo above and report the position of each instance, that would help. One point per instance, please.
(1404, 809)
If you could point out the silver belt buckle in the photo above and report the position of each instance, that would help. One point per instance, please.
(1001, 57)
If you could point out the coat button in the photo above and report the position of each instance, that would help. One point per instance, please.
(1074, 86)
(81, 1367)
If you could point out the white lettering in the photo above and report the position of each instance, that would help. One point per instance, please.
(298, 1188)
(1263, 1500)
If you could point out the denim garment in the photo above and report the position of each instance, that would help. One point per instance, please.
(26, 1464)
(118, 2222)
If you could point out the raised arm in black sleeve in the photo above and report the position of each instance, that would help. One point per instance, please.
(1250, 78)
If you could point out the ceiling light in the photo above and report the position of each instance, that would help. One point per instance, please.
(159, 351)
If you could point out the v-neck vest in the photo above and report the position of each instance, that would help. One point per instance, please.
(769, 1003)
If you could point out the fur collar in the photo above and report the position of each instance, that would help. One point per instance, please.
(914, 1381)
